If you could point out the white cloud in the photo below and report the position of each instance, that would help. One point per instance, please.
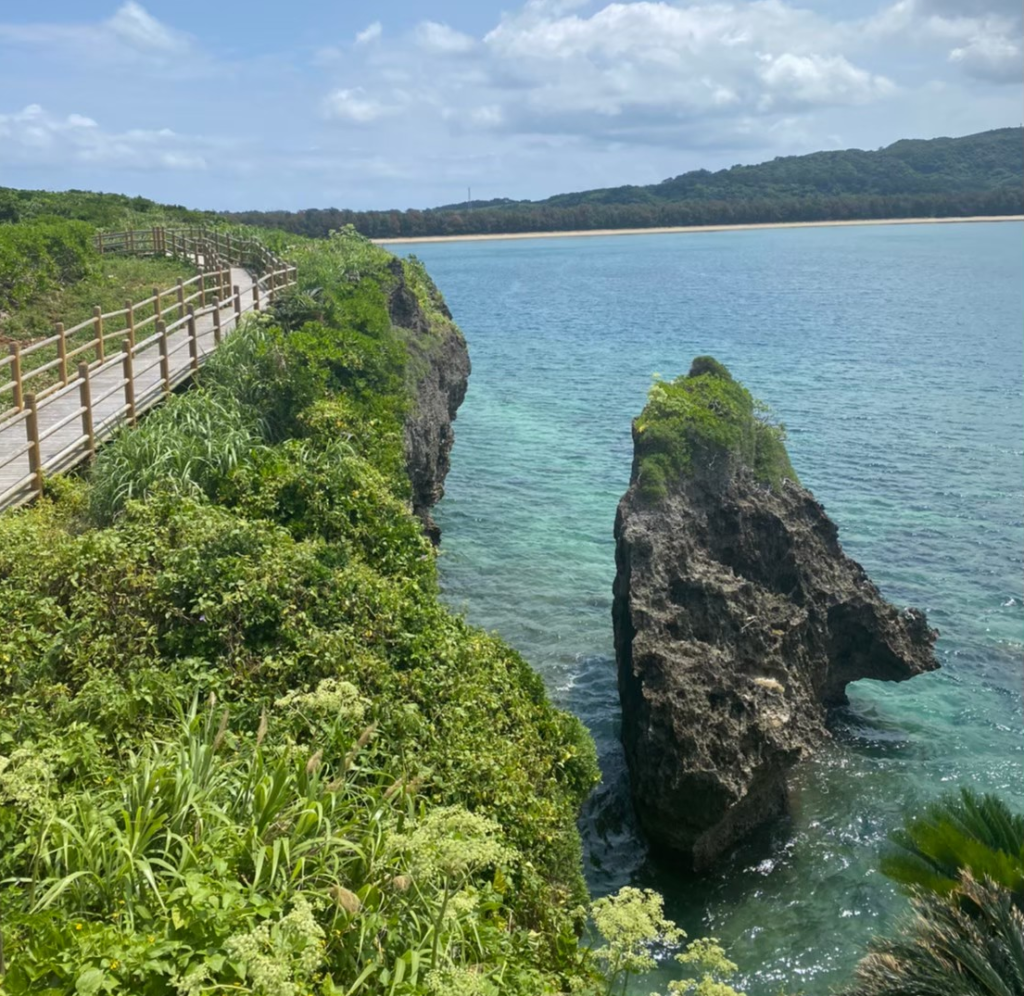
(355, 106)
(440, 39)
(813, 79)
(654, 61)
(35, 137)
(990, 58)
(136, 27)
(131, 34)
(985, 40)
(370, 33)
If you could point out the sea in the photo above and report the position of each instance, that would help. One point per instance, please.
(894, 354)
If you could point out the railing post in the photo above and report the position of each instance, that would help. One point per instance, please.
(255, 294)
(165, 363)
(156, 305)
(131, 321)
(97, 325)
(216, 321)
(85, 396)
(35, 455)
(202, 285)
(19, 398)
(62, 352)
(193, 339)
(181, 298)
(154, 239)
(228, 250)
(131, 240)
(128, 369)
(238, 303)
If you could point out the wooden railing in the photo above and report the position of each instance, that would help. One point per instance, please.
(201, 246)
(123, 370)
(42, 367)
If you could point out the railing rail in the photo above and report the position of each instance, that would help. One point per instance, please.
(195, 314)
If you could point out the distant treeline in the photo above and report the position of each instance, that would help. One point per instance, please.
(979, 174)
(318, 223)
(946, 177)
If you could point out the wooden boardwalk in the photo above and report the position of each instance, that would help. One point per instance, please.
(52, 435)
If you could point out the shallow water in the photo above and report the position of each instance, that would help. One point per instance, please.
(895, 357)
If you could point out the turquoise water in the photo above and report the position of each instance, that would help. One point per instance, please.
(895, 357)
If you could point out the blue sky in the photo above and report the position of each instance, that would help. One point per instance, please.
(402, 104)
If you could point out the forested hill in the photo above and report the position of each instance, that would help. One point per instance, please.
(979, 174)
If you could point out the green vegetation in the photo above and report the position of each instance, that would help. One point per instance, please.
(633, 926)
(973, 832)
(245, 748)
(703, 421)
(114, 211)
(107, 281)
(38, 258)
(944, 177)
(963, 864)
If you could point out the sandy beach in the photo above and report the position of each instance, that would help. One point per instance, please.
(699, 228)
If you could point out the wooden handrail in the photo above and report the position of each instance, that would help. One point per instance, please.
(209, 314)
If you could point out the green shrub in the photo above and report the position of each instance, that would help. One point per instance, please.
(41, 256)
(969, 941)
(968, 831)
(962, 862)
(703, 422)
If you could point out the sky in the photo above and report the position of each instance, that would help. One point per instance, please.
(232, 105)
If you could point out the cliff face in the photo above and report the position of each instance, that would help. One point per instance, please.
(738, 622)
(438, 371)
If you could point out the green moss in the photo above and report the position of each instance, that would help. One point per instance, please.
(702, 420)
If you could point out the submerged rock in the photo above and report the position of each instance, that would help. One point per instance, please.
(738, 618)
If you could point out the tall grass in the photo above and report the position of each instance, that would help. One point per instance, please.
(189, 446)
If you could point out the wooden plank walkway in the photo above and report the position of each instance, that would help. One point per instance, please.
(63, 430)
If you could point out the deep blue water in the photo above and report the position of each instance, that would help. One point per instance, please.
(895, 357)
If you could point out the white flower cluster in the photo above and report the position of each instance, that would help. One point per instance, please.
(331, 697)
(279, 956)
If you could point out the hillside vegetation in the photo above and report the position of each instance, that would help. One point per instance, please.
(979, 174)
(114, 211)
(50, 272)
(243, 745)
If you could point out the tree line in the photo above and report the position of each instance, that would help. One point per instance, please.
(318, 223)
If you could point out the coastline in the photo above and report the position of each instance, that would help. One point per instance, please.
(692, 229)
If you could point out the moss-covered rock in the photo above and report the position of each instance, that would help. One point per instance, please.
(706, 422)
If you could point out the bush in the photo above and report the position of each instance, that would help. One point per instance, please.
(703, 421)
(189, 446)
(40, 256)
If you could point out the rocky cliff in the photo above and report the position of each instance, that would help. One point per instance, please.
(738, 618)
(438, 373)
